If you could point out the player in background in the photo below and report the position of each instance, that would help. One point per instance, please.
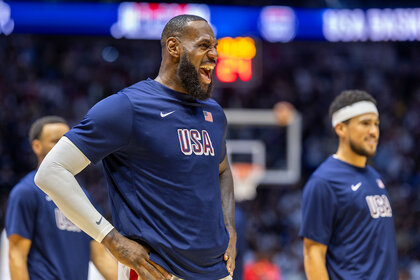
(43, 243)
(162, 144)
(347, 225)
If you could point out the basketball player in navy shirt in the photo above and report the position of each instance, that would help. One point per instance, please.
(43, 243)
(162, 144)
(347, 223)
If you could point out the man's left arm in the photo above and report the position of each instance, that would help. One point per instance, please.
(228, 206)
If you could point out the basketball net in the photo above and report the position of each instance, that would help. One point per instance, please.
(246, 177)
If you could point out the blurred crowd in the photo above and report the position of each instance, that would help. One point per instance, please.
(66, 75)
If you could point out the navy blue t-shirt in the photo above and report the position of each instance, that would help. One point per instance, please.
(347, 208)
(161, 151)
(59, 249)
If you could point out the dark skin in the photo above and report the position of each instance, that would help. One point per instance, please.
(199, 43)
(228, 206)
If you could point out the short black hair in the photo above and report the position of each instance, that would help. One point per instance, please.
(348, 97)
(38, 125)
(176, 26)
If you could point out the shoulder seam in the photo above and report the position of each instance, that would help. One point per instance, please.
(328, 183)
(319, 178)
(132, 116)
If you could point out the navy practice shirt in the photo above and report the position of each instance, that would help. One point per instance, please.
(59, 249)
(347, 208)
(161, 151)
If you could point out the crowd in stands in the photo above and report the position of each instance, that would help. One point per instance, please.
(66, 75)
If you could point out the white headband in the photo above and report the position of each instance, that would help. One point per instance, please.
(353, 110)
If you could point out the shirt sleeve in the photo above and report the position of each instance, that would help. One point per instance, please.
(21, 212)
(105, 128)
(319, 205)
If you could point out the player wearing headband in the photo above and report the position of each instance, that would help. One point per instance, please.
(347, 225)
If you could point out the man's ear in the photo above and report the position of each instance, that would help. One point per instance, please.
(173, 47)
(36, 147)
(340, 129)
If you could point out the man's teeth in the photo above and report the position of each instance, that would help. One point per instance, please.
(207, 67)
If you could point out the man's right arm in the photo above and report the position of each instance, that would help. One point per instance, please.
(319, 206)
(55, 177)
(314, 260)
(18, 257)
(135, 256)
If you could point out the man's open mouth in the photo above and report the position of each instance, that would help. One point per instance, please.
(206, 72)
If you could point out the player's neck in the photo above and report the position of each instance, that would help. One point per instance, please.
(40, 159)
(346, 154)
(170, 80)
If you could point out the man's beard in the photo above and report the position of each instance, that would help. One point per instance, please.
(360, 151)
(189, 79)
